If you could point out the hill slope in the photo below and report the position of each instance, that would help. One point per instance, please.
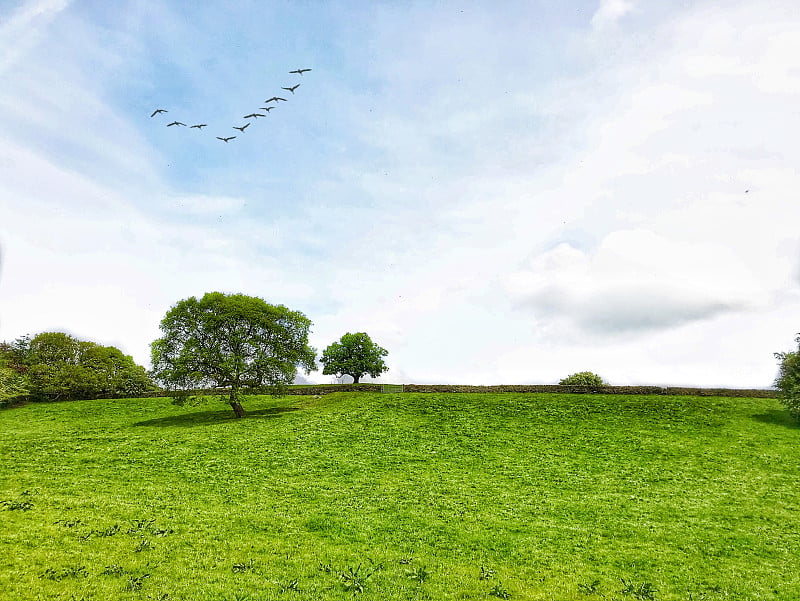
(412, 496)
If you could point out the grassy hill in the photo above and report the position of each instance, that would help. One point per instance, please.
(408, 496)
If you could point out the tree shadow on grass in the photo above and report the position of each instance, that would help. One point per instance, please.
(778, 417)
(205, 418)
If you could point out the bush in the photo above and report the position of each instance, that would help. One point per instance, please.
(54, 366)
(583, 378)
(788, 380)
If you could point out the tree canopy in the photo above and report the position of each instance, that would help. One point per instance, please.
(231, 341)
(354, 355)
(57, 366)
(788, 380)
(582, 378)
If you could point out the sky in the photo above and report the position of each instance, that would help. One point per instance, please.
(496, 192)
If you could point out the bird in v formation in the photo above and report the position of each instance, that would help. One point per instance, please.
(254, 115)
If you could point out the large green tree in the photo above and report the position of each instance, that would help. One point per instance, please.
(788, 380)
(355, 355)
(231, 341)
(57, 366)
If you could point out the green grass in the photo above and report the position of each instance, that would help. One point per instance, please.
(412, 496)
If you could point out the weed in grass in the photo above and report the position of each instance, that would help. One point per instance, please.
(68, 523)
(108, 531)
(289, 586)
(22, 505)
(17, 505)
(135, 583)
(114, 570)
(354, 581)
(247, 566)
(67, 572)
(589, 589)
(325, 567)
(420, 574)
(644, 592)
(404, 561)
(499, 591)
(140, 526)
(486, 573)
(143, 545)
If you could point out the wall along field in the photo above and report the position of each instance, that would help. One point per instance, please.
(406, 496)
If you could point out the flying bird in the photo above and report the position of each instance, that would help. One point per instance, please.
(175, 123)
(199, 126)
(157, 111)
(241, 129)
(226, 139)
(252, 115)
(275, 98)
(267, 108)
(300, 71)
(292, 89)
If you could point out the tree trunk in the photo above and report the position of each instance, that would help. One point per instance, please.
(355, 379)
(235, 405)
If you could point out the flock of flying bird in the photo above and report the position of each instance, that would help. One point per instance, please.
(254, 115)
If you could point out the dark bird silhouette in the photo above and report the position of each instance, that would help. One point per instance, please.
(241, 129)
(226, 139)
(267, 108)
(252, 115)
(275, 99)
(292, 89)
(157, 111)
(199, 126)
(175, 123)
(299, 71)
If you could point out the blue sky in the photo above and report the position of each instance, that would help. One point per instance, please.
(495, 192)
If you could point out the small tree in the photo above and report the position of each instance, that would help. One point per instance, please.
(232, 341)
(788, 380)
(583, 378)
(354, 355)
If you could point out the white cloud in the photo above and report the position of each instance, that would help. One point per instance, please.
(610, 11)
(635, 280)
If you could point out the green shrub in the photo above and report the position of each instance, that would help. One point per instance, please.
(788, 380)
(583, 378)
(57, 366)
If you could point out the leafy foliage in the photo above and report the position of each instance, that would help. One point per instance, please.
(230, 341)
(355, 580)
(354, 355)
(56, 366)
(13, 384)
(788, 380)
(582, 378)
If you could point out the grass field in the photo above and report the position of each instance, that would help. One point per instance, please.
(406, 496)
